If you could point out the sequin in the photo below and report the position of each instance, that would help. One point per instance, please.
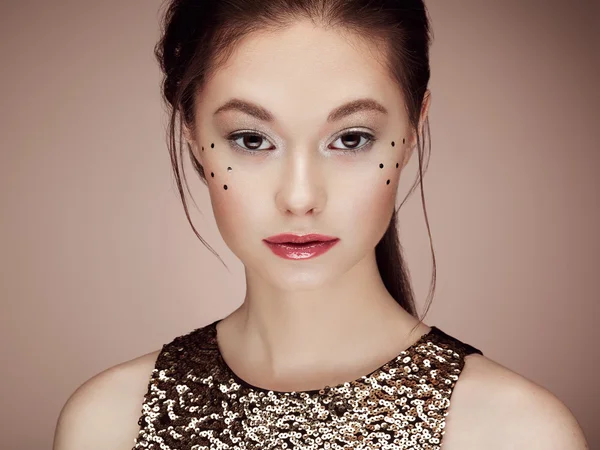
(195, 402)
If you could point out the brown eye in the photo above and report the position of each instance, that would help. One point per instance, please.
(351, 142)
(248, 142)
(252, 141)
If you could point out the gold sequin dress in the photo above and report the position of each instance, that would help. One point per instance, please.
(195, 402)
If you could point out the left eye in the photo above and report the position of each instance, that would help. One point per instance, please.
(352, 140)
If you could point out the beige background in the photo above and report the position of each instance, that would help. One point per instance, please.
(98, 264)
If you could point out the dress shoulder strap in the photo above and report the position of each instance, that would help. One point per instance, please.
(184, 360)
(460, 346)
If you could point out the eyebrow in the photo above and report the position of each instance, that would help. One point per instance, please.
(252, 109)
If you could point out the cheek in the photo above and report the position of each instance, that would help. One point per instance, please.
(239, 211)
(370, 203)
(230, 206)
(370, 194)
(225, 195)
(225, 204)
(379, 200)
(369, 186)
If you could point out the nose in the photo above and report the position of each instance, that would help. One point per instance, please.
(302, 187)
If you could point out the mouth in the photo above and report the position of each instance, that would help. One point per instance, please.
(297, 247)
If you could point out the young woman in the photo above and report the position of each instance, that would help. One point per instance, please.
(299, 116)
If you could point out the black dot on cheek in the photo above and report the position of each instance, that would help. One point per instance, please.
(212, 174)
(202, 148)
(212, 145)
(225, 187)
(381, 166)
(403, 140)
(388, 182)
(396, 165)
(393, 143)
(229, 169)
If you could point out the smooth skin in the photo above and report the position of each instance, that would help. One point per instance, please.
(309, 323)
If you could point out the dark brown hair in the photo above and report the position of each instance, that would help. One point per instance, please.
(199, 35)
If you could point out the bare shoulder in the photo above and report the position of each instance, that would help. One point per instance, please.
(103, 412)
(495, 408)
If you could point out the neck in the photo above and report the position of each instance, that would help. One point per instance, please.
(286, 330)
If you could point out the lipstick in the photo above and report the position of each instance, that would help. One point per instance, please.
(296, 247)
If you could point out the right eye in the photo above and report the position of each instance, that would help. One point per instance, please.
(249, 142)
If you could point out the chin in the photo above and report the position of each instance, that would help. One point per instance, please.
(294, 278)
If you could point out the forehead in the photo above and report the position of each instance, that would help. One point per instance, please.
(306, 66)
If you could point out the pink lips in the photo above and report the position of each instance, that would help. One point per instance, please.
(292, 246)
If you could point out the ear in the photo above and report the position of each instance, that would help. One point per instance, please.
(424, 110)
(189, 141)
(422, 120)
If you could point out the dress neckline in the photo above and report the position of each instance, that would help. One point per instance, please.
(231, 374)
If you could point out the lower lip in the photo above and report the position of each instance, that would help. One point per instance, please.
(291, 251)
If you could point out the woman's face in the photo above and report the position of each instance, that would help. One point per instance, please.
(299, 168)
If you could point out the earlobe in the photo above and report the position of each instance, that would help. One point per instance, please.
(195, 154)
(191, 146)
(187, 133)
(424, 111)
(407, 155)
(188, 136)
(190, 142)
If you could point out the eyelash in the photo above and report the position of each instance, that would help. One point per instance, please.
(235, 136)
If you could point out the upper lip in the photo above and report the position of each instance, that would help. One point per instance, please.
(298, 239)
